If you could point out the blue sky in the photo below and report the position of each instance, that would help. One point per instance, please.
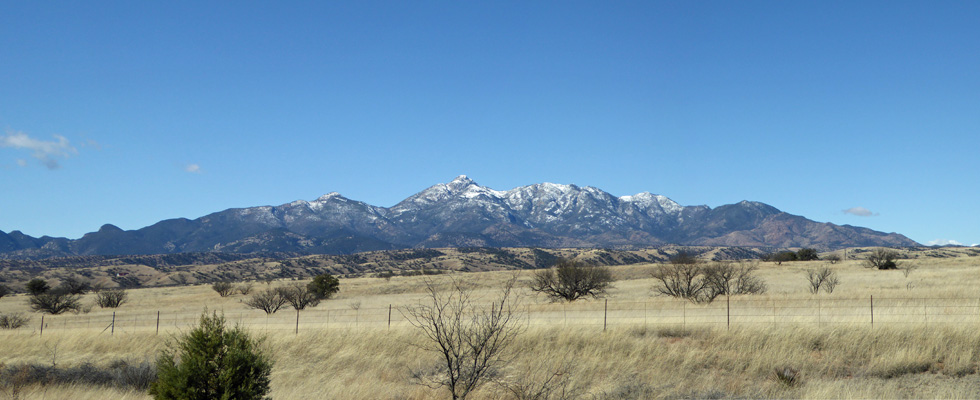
(133, 112)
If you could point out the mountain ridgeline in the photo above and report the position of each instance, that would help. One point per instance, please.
(463, 214)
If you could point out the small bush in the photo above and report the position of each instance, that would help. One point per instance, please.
(111, 298)
(121, 374)
(13, 321)
(4, 291)
(323, 286)
(269, 300)
(213, 362)
(245, 288)
(823, 278)
(55, 302)
(224, 289)
(787, 376)
(807, 254)
(882, 258)
(571, 280)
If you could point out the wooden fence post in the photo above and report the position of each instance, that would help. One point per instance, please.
(389, 316)
(297, 322)
(728, 310)
(872, 311)
(158, 322)
(113, 325)
(605, 316)
(42, 326)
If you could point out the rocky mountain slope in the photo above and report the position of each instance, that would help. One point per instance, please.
(462, 213)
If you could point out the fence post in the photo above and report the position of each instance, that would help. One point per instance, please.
(728, 310)
(158, 322)
(684, 315)
(42, 326)
(605, 316)
(872, 311)
(113, 325)
(297, 321)
(389, 316)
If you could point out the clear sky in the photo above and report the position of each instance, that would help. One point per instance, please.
(863, 113)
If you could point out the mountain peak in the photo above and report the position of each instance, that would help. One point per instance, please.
(328, 196)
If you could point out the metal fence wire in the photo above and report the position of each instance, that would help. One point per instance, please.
(726, 313)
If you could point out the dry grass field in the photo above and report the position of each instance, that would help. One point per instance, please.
(925, 342)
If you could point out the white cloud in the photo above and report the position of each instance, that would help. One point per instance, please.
(47, 152)
(860, 211)
(943, 242)
(193, 168)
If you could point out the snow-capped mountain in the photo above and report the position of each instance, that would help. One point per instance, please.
(463, 213)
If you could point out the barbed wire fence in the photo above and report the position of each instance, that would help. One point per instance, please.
(725, 313)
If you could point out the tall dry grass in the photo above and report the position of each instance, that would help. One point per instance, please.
(631, 359)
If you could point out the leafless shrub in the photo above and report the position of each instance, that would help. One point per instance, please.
(269, 300)
(224, 289)
(544, 384)
(832, 258)
(680, 280)
(907, 268)
(111, 298)
(245, 288)
(702, 283)
(13, 321)
(571, 280)
(470, 339)
(882, 258)
(299, 297)
(822, 278)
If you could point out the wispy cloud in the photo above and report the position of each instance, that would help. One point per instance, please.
(46, 151)
(860, 211)
(943, 242)
(192, 168)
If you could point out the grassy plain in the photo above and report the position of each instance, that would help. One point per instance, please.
(926, 346)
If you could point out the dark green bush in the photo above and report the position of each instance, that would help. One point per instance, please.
(213, 362)
(324, 286)
(37, 286)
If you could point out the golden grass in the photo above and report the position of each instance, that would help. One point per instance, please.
(638, 356)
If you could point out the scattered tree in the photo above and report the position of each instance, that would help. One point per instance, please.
(55, 302)
(245, 288)
(470, 338)
(224, 289)
(684, 257)
(4, 291)
(269, 300)
(72, 285)
(807, 254)
(571, 280)
(213, 362)
(832, 258)
(324, 286)
(882, 258)
(822, 278)
(702, 283)
(37, 286)
(110, 298)
(300, 297)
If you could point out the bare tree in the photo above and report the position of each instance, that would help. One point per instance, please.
(470, 338)
(110, 298)
(571, 280)
(882, 258)
(822, 278)
(300, 297)
(224, 289)
(727, 278)
(269, 300)
(681, 280)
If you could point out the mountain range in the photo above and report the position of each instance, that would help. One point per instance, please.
(462, 213)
